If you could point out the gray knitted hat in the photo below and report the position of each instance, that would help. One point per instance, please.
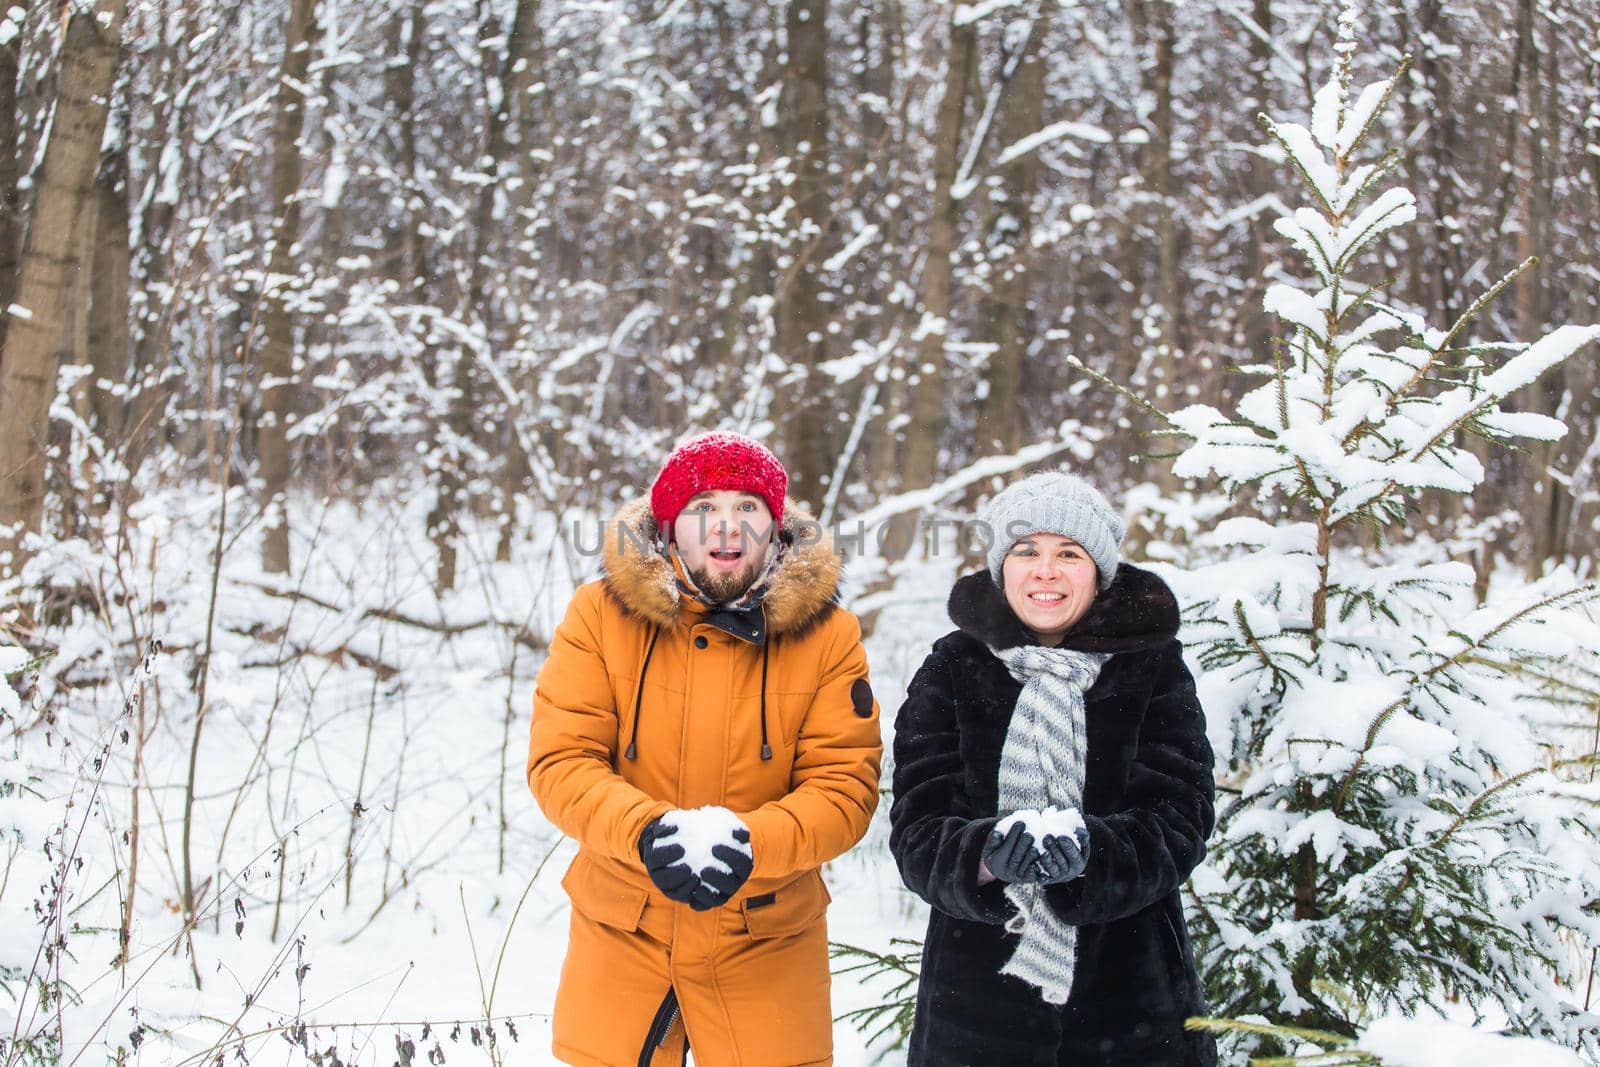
(1054, 503)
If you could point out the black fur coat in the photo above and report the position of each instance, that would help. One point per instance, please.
(1148, 806)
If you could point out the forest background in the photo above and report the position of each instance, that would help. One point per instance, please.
(329, 324)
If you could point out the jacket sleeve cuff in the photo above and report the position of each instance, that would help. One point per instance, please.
(771, 829)
(626, 845)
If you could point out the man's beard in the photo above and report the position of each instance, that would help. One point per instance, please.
(724, 588)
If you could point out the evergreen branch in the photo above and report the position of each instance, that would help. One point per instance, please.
(1480, 799)
(1359, 242)
(1383, 102)
(1582, 693)
(1312, 493)
(1282, 380)
(1307, 342)
(1362, 300)
(1567, 598)
(1208, 1024)
(1330, 318)
(892, 1017)
(1279, 681)
(1380, 170)
(883, 961)
(1343, 1058)
(1466, 317)
(1470, 645)
(1126, 394)
(1465, 418)
(1272, 131)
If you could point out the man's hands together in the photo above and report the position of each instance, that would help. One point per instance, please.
(700, 856)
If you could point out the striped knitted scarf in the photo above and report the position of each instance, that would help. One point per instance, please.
(1041, 766)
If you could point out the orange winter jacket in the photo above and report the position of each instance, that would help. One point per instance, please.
(644, 706)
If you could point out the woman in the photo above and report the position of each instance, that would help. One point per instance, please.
(1052, 792)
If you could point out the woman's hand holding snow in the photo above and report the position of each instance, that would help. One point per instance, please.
(1011, 855)
(1067, 854)
(699, 857)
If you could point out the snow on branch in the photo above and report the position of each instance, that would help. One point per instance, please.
(988, 467)
(1056, 131)
(967, 14)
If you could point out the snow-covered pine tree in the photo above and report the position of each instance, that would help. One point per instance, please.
(1392, 831)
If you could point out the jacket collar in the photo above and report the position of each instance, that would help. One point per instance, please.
(742, 618)
(1137, 612)
(802, 586)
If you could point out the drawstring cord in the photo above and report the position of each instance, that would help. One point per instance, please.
(638, 694)
(766, 749)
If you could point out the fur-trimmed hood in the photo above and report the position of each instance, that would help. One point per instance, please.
(1137, 611)
(801, 591)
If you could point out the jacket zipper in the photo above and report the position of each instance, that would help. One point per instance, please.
(660, 1027)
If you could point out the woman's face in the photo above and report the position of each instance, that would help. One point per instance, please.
(1050, 581)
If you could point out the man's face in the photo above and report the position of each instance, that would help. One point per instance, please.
(723, 536)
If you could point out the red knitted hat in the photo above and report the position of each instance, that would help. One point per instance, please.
(717, 461)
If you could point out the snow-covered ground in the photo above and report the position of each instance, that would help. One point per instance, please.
(440, 904)
(433, 916)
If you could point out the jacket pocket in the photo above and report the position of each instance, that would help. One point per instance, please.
(1180, 962)
(789, 910)
(601, 896)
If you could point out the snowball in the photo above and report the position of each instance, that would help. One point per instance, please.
(699, 830)
(1050, 822)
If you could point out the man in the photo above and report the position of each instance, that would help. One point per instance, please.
(705, 730)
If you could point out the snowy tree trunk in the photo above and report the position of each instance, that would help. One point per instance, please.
(882, 73)
(877, 27)
(528, 130)
(1583, 536)
(28, 363)
(1435, 270)
(407, 33)
(167, 164)
(1258, 246)
(1004, 316)
(1167, 369)
(525, 130)
(1543, 502)
(801, 315)
(277, 349)
(919, 438)
(10, 219)
(1442, 162)
(75, 338)
(109, 344)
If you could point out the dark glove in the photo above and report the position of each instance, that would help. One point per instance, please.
(717, 886)
(665, 865)
(1012, 857)
(1064, 857)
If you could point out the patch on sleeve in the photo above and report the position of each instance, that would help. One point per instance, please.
(861, 698)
